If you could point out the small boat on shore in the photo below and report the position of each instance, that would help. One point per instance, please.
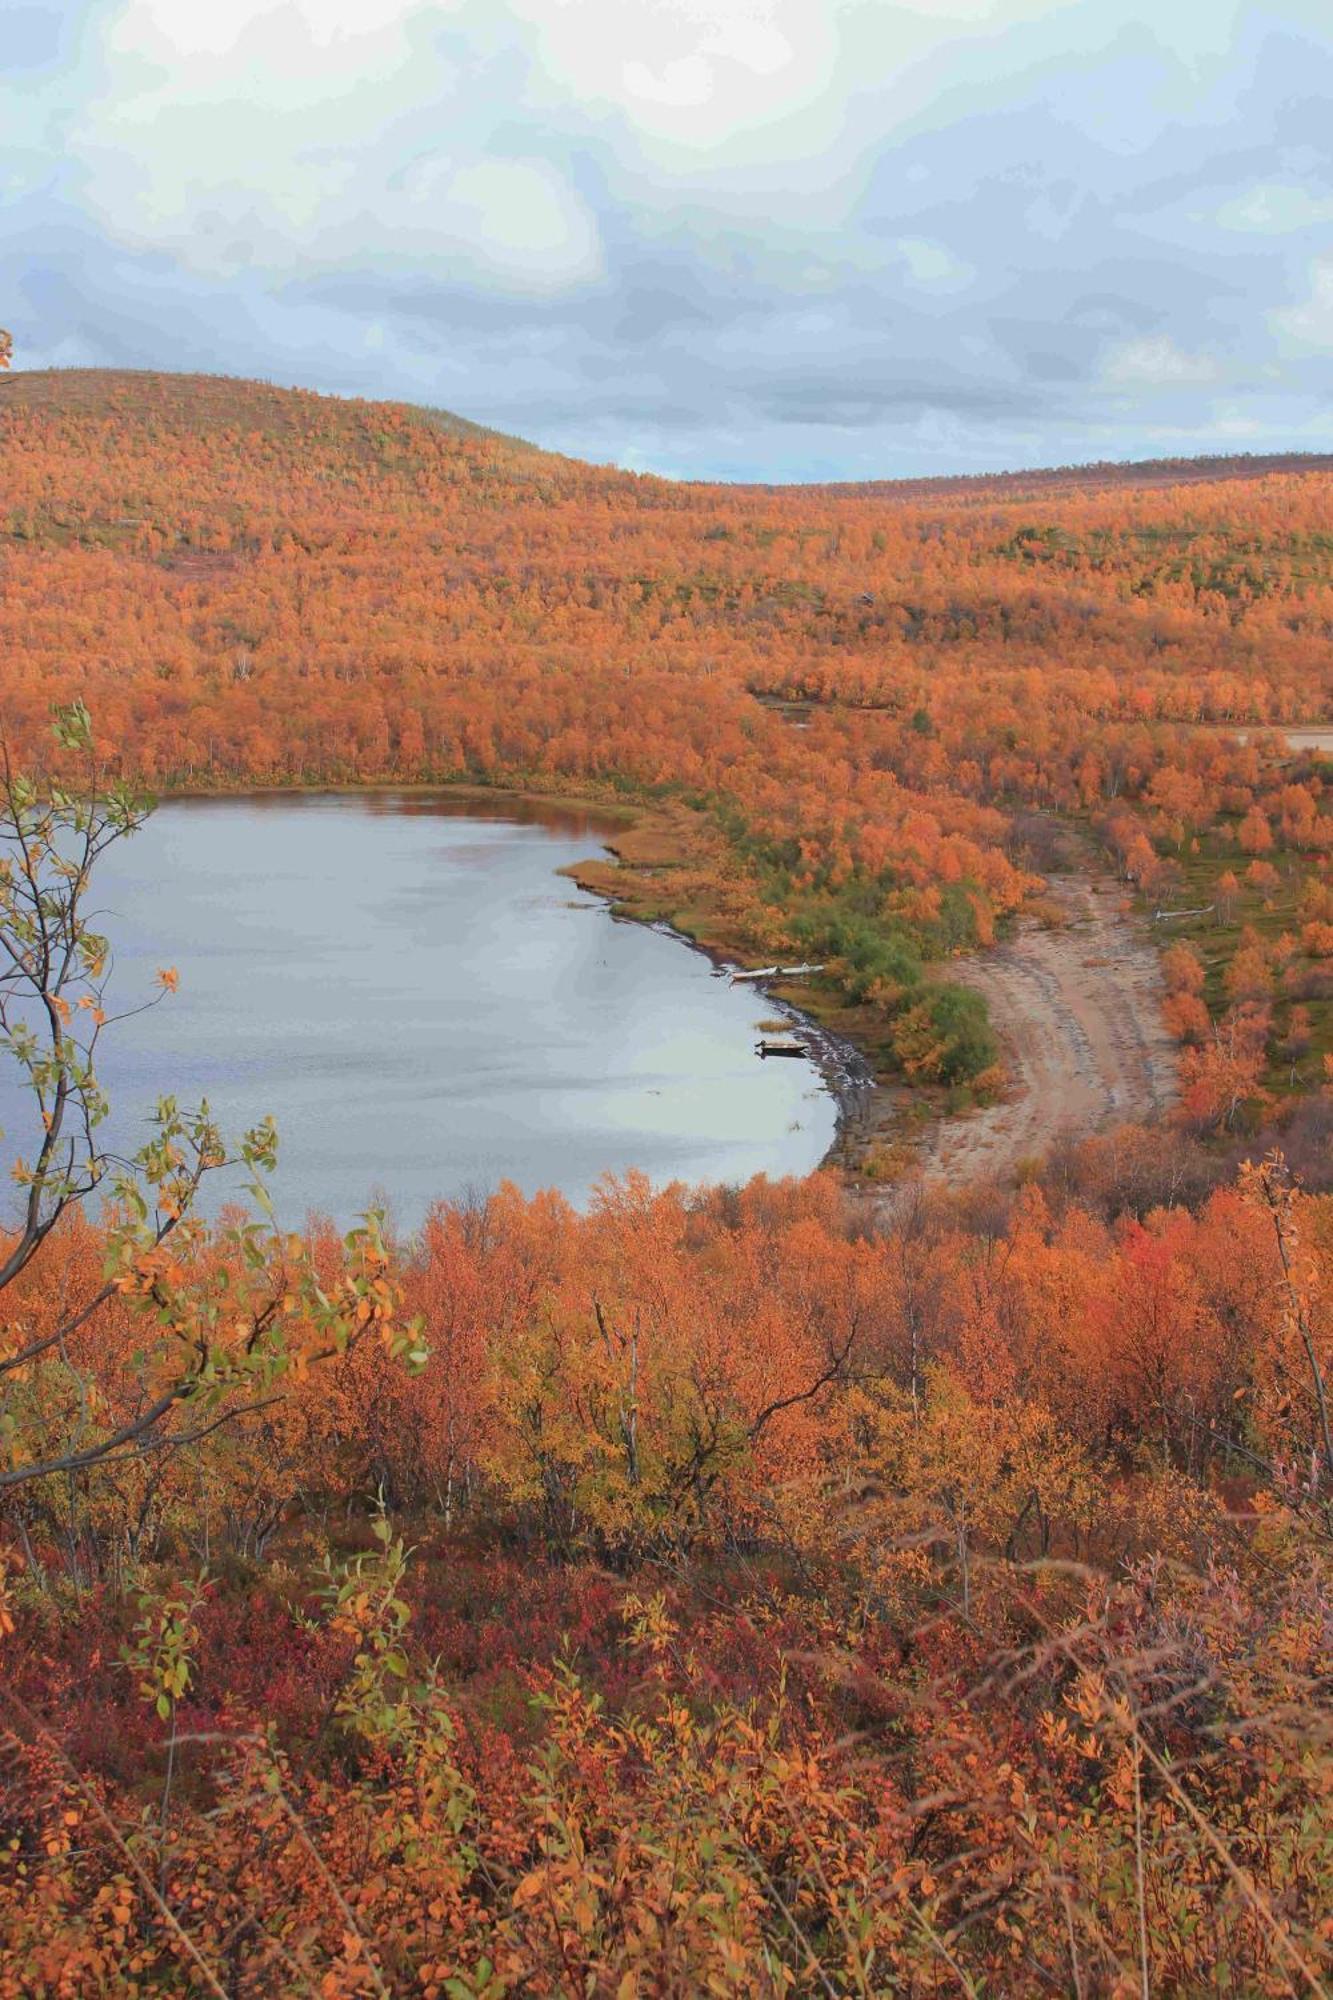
(767, 1048)
(775, 972)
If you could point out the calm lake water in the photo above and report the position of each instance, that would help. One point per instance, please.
(427, 1008)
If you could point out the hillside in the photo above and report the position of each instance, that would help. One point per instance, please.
(247, 584)
(1136, 475)
(224, 406)
(912, 1583)
(208, 405)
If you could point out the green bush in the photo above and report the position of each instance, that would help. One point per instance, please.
(945, 1036)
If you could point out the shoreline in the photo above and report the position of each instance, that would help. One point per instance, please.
(619, 818)
(652, 857)
(846, 1073)
(845, 1070)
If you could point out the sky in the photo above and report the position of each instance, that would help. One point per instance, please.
(740, 239)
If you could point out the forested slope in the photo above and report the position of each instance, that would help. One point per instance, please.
(742, 1591)
(248, 584)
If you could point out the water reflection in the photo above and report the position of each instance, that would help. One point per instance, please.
(426, 1007)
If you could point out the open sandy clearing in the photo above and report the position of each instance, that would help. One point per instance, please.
(1296, 735)
(1318, 737)
(1079, 1013)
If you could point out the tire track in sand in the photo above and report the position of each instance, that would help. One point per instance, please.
(1078, 1013)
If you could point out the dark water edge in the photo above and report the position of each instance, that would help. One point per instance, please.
(846, 1071)
(427, 1007)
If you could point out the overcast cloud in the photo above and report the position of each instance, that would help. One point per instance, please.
(747, 238)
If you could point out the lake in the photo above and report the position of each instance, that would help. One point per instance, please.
(427, 1008)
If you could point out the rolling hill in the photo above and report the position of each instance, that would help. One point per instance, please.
(256, 585)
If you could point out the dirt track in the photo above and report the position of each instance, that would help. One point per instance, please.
(1077, 1010)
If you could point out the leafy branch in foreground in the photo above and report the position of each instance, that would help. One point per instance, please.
(226, 1318)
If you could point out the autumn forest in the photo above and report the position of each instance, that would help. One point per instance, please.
(912, 1579)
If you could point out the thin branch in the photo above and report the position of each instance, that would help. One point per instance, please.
(127, 1854)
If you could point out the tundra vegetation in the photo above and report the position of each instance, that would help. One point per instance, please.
(724, 1590)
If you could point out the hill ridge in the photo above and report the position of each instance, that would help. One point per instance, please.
(26, 387)
(77, 381)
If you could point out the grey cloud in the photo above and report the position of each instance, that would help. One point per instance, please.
(1010, 270)
(865, 403)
